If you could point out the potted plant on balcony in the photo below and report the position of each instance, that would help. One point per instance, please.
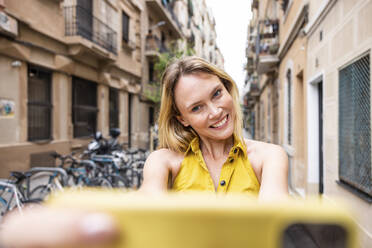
(161, 63)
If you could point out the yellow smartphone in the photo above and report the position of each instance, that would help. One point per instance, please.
(199, 220)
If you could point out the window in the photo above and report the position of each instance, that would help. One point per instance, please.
(125, 26)
(289, 107)
(39, 112)
(84, 107)
(151, 116)
(355, 126)
(285, 5)
(262, 120)
(151, 72)
(114, 108)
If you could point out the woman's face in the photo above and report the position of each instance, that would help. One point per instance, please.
(205, 105)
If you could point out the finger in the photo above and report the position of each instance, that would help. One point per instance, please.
(43, 227)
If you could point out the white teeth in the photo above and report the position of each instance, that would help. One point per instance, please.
(221, 122)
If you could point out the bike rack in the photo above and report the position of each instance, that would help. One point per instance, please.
(60, 171)
(15, 191)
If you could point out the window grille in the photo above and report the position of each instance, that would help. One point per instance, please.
(125, 28)
(355, 125)
(289, 109)
(39, 112)
(114, 108)
(84, 107)
(80, 21)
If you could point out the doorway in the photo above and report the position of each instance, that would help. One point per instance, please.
(315, 133)
(320, 135)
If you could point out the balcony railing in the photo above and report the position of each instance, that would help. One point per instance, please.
(153, 44)
(164, 10)
(170, 10)
(80, 22)
(254, 89)
(268, 45)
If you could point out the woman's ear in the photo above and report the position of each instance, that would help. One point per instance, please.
(182, 121)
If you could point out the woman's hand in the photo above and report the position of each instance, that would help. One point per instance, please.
(44, 227)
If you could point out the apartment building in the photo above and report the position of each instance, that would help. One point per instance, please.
(308, 90)
(338, 100)
(69, 68)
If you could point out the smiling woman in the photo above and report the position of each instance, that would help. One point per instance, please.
(202, 149)
(200, 133)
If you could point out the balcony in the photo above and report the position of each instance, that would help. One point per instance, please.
(8, 25)
(267, 63)
(165, 12)
(254, 89)
(86, 33)
(154, 46)
(250, 64)
(152, 92)
(268, 46)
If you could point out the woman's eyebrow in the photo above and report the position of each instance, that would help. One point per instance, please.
(193, 104)
(211, 94)
(214, 90)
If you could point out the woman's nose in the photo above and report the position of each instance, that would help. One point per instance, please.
(214, 111)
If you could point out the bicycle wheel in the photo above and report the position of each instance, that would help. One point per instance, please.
(40, 192)
(3, 206)
(139, 173)
(128, 174)
(118, 181)
(32, 203)
(99, 182)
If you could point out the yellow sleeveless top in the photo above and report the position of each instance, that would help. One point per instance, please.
(237, 174)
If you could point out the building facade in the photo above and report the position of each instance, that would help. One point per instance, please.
(308, 90)
(338, 105)
(69, 68)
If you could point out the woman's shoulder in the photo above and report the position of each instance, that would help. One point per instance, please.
(263, 154)
(166, 156)
(264, 147)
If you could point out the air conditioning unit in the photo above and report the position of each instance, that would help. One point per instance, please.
(8, 25)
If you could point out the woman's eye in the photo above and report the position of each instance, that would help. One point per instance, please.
(196, 108)
(217, 93)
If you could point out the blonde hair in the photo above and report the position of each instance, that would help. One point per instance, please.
(172, 134)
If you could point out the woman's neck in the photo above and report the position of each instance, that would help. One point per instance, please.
(216, 149)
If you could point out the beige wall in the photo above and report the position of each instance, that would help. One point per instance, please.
(288, 18)
(37, 14)
(10, 91)
(346, 35)
(294, 60)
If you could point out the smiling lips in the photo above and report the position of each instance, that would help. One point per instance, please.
(220, 123)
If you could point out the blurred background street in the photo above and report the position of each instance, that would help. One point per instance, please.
(82, 77)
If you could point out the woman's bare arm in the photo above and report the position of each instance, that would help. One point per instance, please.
(156, 172)
(274, 177)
